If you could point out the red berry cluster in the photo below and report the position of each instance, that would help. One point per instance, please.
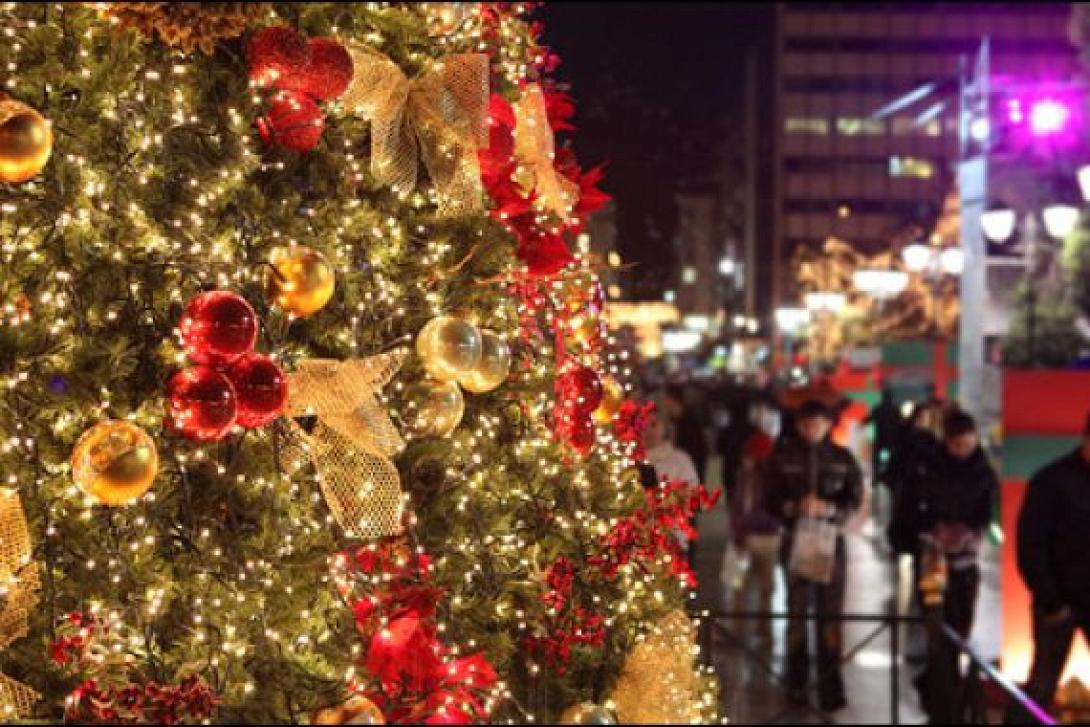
(231, 384)
(109, 692)
(300, 72)
(567, 625)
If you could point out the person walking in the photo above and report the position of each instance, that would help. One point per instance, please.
(688, 428)
(1053, 532)
(957, 490)
(886, 418)
(755, 533)
(814, 485)
(730, 443)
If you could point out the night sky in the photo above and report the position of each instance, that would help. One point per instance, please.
(659, 92)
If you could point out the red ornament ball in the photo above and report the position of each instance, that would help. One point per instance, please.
(218, 327)
(293, 121)
(326, 76)
(579, 390)
(261, 387)
(276, 53)
(582, 436)
(203, 404)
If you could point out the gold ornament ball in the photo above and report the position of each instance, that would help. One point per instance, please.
(26, 141)
(115, 462)
(492, 369)
(585, 328)
(588, 713)
(302, 280)
(612, 399)
(435, 408)
(357, 710)
(449, 347)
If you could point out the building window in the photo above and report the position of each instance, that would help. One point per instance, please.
(910, 167)
(853, 125)
(811, 125)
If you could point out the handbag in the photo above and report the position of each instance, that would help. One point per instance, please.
(813, 550)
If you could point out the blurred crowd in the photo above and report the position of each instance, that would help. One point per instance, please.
(790, 490)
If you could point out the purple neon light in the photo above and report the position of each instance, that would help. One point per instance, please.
(1048, 116)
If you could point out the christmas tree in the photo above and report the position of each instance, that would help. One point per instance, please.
(308, 402)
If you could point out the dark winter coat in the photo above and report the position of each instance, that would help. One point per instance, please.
(943, 489)
(1054, 535)
(796, 469)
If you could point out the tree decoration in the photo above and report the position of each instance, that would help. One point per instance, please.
(261, 388)
(107, 658)
(612, 399)
(326, 75)
(187, 26)
(301, 280)
(449, 347)
(26, 141)
(534, 146)
(115, 462)
(353, 441)
(492, 368)
(438, 117)
(202, 404)
(276, 53)
(218, 327)
(435, 408)
(404, 668)
(293, 121)
(588, 713)
(357, 710)
(20, 580)
(660, 683)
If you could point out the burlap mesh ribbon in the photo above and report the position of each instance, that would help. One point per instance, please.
(19, 584)
(353, 441)
(440, 116)
(535, 148)
(659, 683)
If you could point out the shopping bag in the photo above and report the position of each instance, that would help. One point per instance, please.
(813, 551)
(733, 570)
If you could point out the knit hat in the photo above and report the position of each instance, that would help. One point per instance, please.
(758, 446)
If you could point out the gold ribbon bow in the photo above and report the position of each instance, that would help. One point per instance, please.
(535, 148)
(441, 115)
(19, 584)
(353, 441)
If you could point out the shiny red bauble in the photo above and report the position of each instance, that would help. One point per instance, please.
(293, 121)
(326, 76)
(202, 404)
(261, 388)
(276, 53)
(218, 327)
(579, 390)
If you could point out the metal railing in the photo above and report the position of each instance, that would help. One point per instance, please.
(712, 623)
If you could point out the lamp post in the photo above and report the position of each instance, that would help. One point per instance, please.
(1000, 223)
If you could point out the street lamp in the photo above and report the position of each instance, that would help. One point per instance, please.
(952, 261)
(881, 284)
(1060, 219)
(998, 223)
(917, 257)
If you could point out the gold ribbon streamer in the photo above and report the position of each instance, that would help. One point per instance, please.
(19, 584)
(535, 148)
(353, 441)
(440, 116)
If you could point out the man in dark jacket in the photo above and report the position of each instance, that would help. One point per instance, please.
(1053, 532)
(956, 491)
(810, 476)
